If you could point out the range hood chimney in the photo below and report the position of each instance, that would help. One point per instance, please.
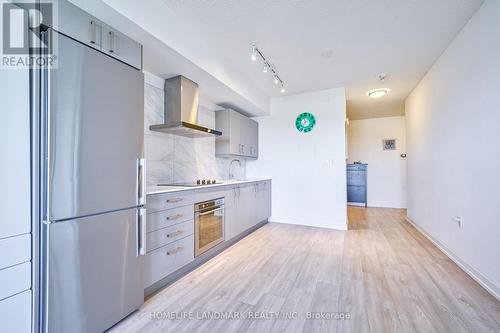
(181, 110)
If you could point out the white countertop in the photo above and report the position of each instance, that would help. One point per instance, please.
(166, 189)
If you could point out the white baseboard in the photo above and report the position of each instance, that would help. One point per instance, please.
(309, 225)
(474, 274)
(357, 204)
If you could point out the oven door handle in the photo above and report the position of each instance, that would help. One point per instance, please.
(210, 211)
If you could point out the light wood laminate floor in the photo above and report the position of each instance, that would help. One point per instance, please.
(382, 273)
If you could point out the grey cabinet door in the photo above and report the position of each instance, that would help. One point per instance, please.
(231, 228)
(76, 23)
(235, 133)
(239, 135)
(121, 47)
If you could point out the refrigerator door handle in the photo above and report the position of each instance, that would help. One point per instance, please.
(141, 215)
(141, 181)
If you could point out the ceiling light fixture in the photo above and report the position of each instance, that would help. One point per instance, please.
(377, 93)
(254, 54)
(267, 66)
(265, 69)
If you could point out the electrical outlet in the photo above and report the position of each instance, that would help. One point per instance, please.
(458, 221)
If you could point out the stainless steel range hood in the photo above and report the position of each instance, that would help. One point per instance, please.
(181, 110)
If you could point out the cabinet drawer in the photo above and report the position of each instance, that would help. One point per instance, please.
(15, 313)
(15, 250)
(162, 201)
(15, 279)
(166, 218)
(359, 167)
(356, 194)
(356, 178)
(168, 235)
(165, 260)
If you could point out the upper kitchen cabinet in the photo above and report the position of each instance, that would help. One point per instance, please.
(240, 135)
(87, 29)
(121, 47)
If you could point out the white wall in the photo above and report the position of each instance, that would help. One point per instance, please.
(308, 169)
(386, 169)
(453, 136)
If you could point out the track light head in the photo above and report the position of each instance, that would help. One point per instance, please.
(265, 69)
(253, 57)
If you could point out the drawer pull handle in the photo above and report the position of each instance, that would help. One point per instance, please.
(173, 234)
(174, 251)
(174, 200)
(174, 217)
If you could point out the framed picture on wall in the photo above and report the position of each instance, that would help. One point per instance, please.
(389, 144)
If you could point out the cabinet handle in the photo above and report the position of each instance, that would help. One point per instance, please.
(174, 217)
(173, 234)
(93, 27)
(174, 200)
(112, 37)
(174, 251)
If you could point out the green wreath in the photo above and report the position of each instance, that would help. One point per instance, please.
(305, 122)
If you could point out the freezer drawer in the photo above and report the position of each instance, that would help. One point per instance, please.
(94, 275)
(165, 260)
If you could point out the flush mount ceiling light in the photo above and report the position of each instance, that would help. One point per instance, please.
(377, 93)
(268, 67)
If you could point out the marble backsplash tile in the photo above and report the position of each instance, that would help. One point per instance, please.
(171, 158)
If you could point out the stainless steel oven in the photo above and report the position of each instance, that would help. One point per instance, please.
(208, 225)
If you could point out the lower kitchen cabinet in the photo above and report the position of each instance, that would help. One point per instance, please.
(246, 206)
(167, 259)
(170, 237)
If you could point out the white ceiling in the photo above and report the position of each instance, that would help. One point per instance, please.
(402, 38)
(315, 44)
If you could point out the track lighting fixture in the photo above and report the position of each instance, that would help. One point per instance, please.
(267, 67)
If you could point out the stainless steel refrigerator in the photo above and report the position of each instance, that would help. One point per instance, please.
(92, 173)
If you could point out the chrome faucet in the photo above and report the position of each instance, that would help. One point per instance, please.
(231, 174)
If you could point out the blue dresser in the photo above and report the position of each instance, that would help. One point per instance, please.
(356, 183)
